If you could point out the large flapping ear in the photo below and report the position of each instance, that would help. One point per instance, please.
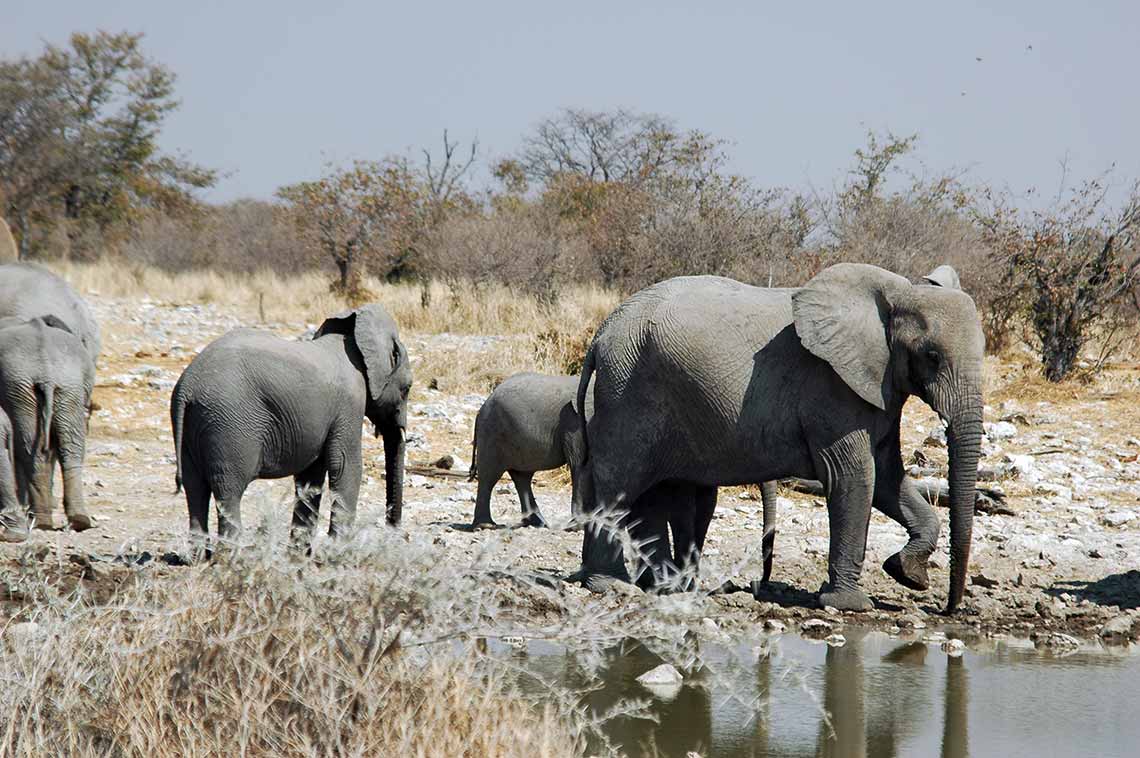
(944, 276)
(374, 333)
(841, 316)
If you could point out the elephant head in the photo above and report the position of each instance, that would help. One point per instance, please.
(888, 339)
(388, 376)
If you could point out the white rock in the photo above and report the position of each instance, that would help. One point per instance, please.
(835, 640)
(775, 626)
(816, 627)
(1000, 430)
(954, 648)
(665, 674)
(1118, 518)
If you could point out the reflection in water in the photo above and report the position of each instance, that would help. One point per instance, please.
(882, 696)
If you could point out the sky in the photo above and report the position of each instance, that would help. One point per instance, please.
(272, 91)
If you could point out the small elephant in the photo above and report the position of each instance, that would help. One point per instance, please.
(711, 381)
(46, 381)
(13, 518)
(28, 290)
(252, 405)
(527, 424)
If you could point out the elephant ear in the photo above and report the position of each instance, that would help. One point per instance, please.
(841, 316)
(944, 276)
(374, 333)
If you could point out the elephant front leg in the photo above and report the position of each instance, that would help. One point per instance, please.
(906, 505)
(849, 475)
(344, 490)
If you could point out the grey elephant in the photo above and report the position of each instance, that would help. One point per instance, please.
(253, 405)
(46, 381)
(28, 290)
(942, 276)
(13, 517)
(527, 424)
(713, 382)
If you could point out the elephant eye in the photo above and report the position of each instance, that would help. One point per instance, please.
(934, 358)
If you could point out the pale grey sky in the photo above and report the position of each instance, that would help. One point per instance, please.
(272, 89)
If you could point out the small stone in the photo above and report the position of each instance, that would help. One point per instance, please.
(1094, 553)
(709, 625)
(1000, 430)
(446, 462)
(911, 622)
(775, 626)
(953, 648)
(830, 610)
(1056, 640)
(1118, 630)
(835, 640)
(1118, 518)
(982, 579)
(815, 628)
(894, 630)
(665, 674)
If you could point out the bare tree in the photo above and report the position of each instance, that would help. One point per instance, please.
(1068, 269)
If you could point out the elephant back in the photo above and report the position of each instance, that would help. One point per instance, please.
(29, 291)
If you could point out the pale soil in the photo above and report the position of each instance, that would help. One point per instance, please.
(1067, 560)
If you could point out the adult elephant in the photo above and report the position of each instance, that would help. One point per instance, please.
(252, 405)
(28, 291)
(713, 382)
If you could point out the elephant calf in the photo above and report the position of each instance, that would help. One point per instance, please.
(527, 424)
(255, 406)
(13, 518)
(46, 380)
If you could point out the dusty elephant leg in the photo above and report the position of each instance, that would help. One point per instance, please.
(344, 490)
(616, 486)
(532, 516)
(307, 487)
(488, 478)
(197, 493)
(851, 483)
(38, 476)
(648, 524)
(229, 519)
(897, 497)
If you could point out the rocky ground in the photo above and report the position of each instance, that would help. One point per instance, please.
(1065, 458)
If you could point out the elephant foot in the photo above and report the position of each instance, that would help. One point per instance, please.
(44, 523)
(478, 526)
(79, 522)
(534, 519)
(600, 583)
(845, 600)
(908, 570)
(13, 534)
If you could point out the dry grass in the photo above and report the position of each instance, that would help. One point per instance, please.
(459, 308)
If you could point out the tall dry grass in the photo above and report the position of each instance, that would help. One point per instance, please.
(437, 307)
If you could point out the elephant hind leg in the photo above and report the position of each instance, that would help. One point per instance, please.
(532, 516)
(197, 494)
(71, 446)
(307, 487)
(488, 476)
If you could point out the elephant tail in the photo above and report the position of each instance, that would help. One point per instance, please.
(177, 411)
(45, 399)
(473, 472)
(588, 365)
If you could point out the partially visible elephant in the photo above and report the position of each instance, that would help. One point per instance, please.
(252, 405)
(13, 518)
(28, 290)
(8, 250)
(46, 380)
(527, 424)
(710, 381)
(942, 276)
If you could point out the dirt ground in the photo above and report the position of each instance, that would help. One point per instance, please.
(1065, 457)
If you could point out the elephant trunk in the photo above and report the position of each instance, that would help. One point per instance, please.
(963, 441)
(394, 472)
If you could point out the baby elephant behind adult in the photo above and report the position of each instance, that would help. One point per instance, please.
(46, 380)
(255, 406)
(527, 424)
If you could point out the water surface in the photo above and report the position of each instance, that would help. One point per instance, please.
(874, 696)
